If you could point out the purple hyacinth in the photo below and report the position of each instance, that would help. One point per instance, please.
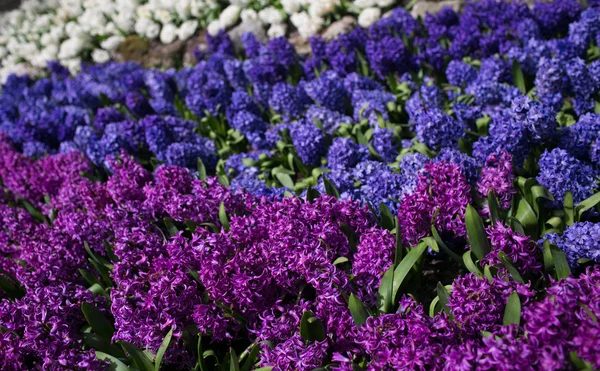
(579, 241)
(497, 177)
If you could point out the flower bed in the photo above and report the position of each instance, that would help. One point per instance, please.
(416, 195)
(77, 31)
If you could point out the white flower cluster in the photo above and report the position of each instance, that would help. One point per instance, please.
(70, 31)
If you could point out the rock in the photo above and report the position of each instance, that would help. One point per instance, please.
(249, 25)
(421, 8)
(300, 44)
(198, 41)
(344, 25)
(133, 48)
(164, 55)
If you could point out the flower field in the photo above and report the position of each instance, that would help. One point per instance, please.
(415, 194)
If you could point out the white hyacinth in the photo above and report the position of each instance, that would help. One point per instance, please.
(100, 56)
(168, 34)
(369, 16)
(229, 16)
(270, 15)
(187, 29)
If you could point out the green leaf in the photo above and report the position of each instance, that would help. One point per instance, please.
(312, 194)
(527, 217)
(330, 188)
(469, 264)
(443, 296)
(139, 358)
(171, 228)
(311, 328)
(285, 180)
(586, 204)
(98, 321)
(433, 307)
(406, 265)
(200, 363)
(11, 288)
(487, 273)
(561, 266)
(493, 206)
(350, 235)
(266, 368)
(234, 362)
(431, 243)
(357, 310)
(35, 213)
(385, 304)
(518, 77)
(101, 344)
(88, 276)
(399, 248)
(511, 268)
(387, 219)
(512, 312)
(476, 234)
(539, 192)
(114, 363)
(201, 170)
(252, 358)
(163, 348)
(569, 210)
(340, 260)
(548, 259)
(457, 258)
(223, 216)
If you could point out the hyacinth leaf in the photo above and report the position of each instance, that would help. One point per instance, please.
(387, 218)
(200, 364)
(487, 273)
(518, 77)
(35, 213)
(579, 363)
(434, 307)
(223, 216)
(569, 209)
(561, 266)
(285, 180)
(585, 205)
(98, 321)
(98, 290)
(101, 344)
(399, 248)
(548, 259)
(385, 304)
(527, 217)
(512, 312)
(350, 235)
(110, 251)
(312, 194)
(330, 188)
(511, 268)
(201, 170)
(234, 362)
(114, 363)
(443, 295)
(252, 358)
(139, 358)
(311, 328)
(539, 192)
(476, 234)
(457, 258)
(12, 290)
(171, 228)
(266, 368)
(406, 265)
(163, 348)
(88, 276)
(357, 310)
(431, 243)
(470, 264)
(493, 206)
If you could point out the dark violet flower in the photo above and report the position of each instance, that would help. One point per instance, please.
(386, 144)
(388, 55)
(441, 190)
(460, 73)
(561, 173)
(524, 253)
(309, 141)
(579, 241)
(345, 153)
(577, 138)
(497, 177)
(437, 129)
(288, 100)
(328, 91)
(330, 120)
(468, 165)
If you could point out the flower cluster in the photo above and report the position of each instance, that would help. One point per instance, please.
(398, 199)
